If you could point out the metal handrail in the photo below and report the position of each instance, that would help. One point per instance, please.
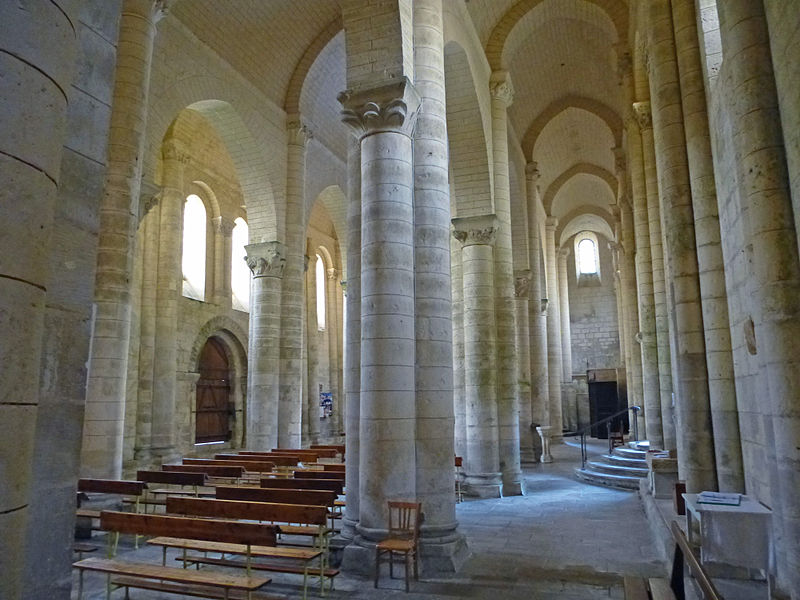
(607, 420)
(685, 554)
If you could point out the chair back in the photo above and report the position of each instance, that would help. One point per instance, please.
(404, 519)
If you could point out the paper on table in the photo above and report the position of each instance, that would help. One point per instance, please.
(719, 498)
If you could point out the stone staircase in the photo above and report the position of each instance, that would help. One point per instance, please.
(622, 469)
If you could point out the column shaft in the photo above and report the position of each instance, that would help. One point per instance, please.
(313, 338)
(101, 454)
(291, 340)
(554, 350)
(223, 230)
(694, 437)
(459, 393)
(432, 299)
(482, 464)
(567, 394)
(334, 346)
(38, 57)
(763, 185)
(522, 288)
(507, 400)
(266, 261)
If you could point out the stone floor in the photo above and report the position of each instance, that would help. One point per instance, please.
(564, 540)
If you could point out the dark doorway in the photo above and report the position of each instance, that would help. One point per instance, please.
(213, 394)
(604, 401)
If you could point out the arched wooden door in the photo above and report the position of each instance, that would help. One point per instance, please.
(213, 394)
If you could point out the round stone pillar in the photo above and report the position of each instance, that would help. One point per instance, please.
(442, 547)
(101, 454)
(459, 393)
(571, 417)
(266, 261)
(311, 403)
(352, 354)
(37, 62)
(645, 266)
(554, 349)
(292, 331)
(537, 305)
(333, 321)
(763, 187)
(223, 248)
(722, 391)
(694, 430)
(168, 293)
(482, 461)
(501, 91)
(522, 286)
(384, 118)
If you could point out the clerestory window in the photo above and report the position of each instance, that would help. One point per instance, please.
(320, 274)
(194, 248)
(587, 258)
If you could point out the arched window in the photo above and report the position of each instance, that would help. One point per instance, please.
(194, 248)
(587, 258)
(240, 273)
(320, 273)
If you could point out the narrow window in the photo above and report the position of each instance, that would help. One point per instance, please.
(587, 257)
(240, 273)
(194, 248)
(320, 293)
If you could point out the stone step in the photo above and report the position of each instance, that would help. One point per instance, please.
(614, 469)
(623, 482)
(630, 453)
(640, 445)
(636, 463)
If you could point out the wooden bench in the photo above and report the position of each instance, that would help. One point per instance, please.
(139, 575)
(235, 472)
(318, 452)
(123, 487)
(331, 485)
(338, 447)
(250, 466)
(278, 460)
(281, 496)
(312, 520)
(299, 474)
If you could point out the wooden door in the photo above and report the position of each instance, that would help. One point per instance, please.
(213, 394)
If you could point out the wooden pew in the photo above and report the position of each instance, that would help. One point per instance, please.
(323, 452)
(123, 487)
(280, 496)
(302, 474)
(333, 485)
(279, 460)
(181, 478)
(339, 468)
(338, 447)
(168, 579)
(252, 466)
(216, 471)
(312, 518)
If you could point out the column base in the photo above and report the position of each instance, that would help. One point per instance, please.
(513, 488)
(527, 456)
(483, 485)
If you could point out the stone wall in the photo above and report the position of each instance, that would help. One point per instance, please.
(593, 315)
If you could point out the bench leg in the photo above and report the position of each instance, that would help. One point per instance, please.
(80, 584)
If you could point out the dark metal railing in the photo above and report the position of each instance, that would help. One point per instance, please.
(607, 422)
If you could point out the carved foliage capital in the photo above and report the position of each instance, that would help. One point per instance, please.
(297, 132)
(532, 171)
(223, 226)
(174, 151)
(475, 231)
(501, 88)
(641, 110)
(389, 107)
(332, 273)
(266, 259)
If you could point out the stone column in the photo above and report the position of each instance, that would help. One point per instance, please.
(384, 119)
(722, 391)
(266, 261)
(38, 58)
(291, 339)
(223, 248)
(101, 455)
(482, 461)
(502, 94)
(522, 286)
(694, 433)
(537, 320)
(443, 548)
(459, 393)
(168, 293)
(566, 342)
(332, 323)
(554, 349)
(352, 355)
(763, 185)
(657, 259)
(313, 335)
(651, 394)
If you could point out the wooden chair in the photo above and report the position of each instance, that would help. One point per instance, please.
(404, 522)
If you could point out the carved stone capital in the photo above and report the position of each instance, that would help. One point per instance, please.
(174, 151)
(641, 110)
(624, 61)
(223, 225)
(551, 223)
(266, 259)
(479, 230)
(522, 283)
(501, 88)
(390, 107)
(297, 132)
(149, 195)
(161, 9)
(332, 273)
(563, 252)
(543, 306)
(532, 171)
